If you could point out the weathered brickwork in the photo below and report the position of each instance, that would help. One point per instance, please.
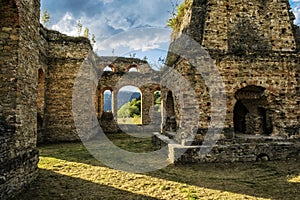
(19, 53)
(253, 44)
(64, 56)
(254, 47)
(146, 79)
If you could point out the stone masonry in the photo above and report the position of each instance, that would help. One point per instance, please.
(118, 77)
(19, 37)
(253, 44)
(255, 48)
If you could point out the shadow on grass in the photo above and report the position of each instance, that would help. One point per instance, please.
(264, 180)
(260, 179)
(50, 185)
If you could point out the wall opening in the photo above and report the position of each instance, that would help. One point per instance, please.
(157, 101)
(171, 124)
(133, 68)
(251, 113)
(107, 101)
(239, 117)
(129, 105)
(40, 103)
(109, 68)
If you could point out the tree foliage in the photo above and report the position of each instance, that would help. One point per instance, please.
(157, 101)
(45, 17)
(178, 14)
(86, 32)
(79, 27)
(131, 109)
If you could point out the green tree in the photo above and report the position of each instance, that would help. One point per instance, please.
(157, 101)
(79, 27)
(86, 33)
(145, 58)
(45, 17)
(131, 109)
(93, 39)
(178, 14)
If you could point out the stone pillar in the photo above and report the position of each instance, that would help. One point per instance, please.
(147, 107)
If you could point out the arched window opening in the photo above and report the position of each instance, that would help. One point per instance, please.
(133, 68)
(157, 101)
(129, 105)
(107, 101)
(108, 68)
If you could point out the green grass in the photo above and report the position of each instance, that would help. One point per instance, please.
(137, 120)
(68, 171)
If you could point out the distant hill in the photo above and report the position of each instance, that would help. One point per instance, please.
(123, 97)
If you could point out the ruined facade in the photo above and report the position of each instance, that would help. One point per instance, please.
(121, 75)
(253, 44)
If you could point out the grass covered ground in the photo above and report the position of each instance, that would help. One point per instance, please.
(68, 171)
(137, 120)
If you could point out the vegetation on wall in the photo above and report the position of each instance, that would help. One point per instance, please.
(45, 17)
(178, 14)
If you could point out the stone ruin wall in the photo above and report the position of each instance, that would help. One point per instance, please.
(252, 43)
(119, 77)
(38, 69)
(60, 59)
(225, 25)
(19, 53)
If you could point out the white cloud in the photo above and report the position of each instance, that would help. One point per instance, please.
(67, 25)
(142, 39)
(296, 11)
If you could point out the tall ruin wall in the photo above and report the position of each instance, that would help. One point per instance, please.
(119, 77)
(253, 45)
(63, 59)
(19, 36)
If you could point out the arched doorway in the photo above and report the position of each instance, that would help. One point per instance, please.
(133, 68)
(251, 113)
(171, 124)
(240, 111)
(109, 68)
(129, 105)
(157, 100)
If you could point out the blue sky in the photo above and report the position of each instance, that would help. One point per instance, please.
(121, 27)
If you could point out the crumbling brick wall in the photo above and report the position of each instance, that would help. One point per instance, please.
(18, 65)
(252, 43)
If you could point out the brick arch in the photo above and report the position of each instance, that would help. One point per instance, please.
(133, 85)
(156, 87)
(111, 66)
(248, 82)
(251, 113)
(106, 88)
(133, 66)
